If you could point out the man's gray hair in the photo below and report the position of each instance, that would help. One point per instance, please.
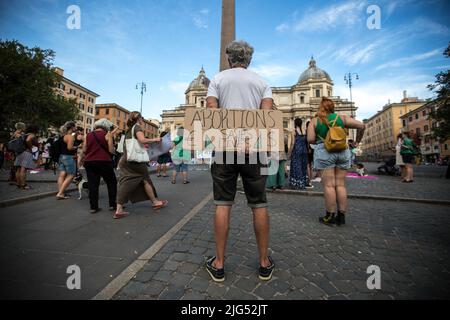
(239, 53)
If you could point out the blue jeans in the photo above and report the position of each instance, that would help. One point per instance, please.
(67, 164)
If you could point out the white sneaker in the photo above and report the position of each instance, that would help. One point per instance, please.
(316, 180)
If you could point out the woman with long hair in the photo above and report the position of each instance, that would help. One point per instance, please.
(334, 165)
(298, 152)
(67, 163)
(24, 160)
(135, 184)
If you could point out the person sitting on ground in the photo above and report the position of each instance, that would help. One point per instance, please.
(361, 170)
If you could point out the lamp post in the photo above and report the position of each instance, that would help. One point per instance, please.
(143, 88)
(348, 78)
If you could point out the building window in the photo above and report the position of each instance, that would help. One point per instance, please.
(97, 112)
(329, 93)
(302, 99)
(317, 93)
(424, 113)
(106, 111)
(417, 116)
(418, 132)
(410, 119)
(202, 103)
(82, 106)
(285, 124)
(425, 128)
(446, 146)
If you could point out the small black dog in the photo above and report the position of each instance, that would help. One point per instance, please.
(81, 183)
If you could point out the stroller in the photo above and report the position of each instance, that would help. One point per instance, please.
(389, 168)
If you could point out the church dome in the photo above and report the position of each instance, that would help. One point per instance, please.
(313, 73)
(201, 82)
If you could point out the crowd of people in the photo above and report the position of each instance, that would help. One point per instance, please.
(99, 154)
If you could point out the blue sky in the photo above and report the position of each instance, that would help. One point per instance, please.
(165, 43)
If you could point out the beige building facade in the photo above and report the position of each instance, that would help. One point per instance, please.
(300, 100)
(383, 128)
(84, 97)
(419, 123)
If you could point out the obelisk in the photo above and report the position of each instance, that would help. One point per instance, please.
(228, 32)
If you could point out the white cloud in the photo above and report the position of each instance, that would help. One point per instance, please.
(274, 71)
(430, 27)
(282, 27)
(408, 60)
(370, 97)
(345, 14)
(357, 53)
(201, 19)
(177, 86)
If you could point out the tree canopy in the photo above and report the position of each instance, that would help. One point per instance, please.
(27, 89)
(441, 112)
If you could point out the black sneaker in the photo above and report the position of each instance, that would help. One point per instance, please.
(340, 218)
(328, 219)
(265, 273)
(217, 275)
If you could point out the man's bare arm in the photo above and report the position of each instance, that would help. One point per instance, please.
(267, 103)
(211, 102)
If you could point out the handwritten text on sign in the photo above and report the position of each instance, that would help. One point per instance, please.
(234, 129)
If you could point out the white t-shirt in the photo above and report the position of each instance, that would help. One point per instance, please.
(239, 88)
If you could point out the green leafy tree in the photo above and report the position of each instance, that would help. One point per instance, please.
(27, 89)
(441, 112)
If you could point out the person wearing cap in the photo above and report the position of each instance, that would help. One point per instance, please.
(97, 158)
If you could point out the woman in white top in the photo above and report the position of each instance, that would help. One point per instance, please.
(398, 157)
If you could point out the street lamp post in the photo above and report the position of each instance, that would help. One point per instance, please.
(348, 80)
(143, 88)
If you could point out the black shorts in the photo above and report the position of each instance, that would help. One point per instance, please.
(408, 158)
(225, 179)
(164, 158)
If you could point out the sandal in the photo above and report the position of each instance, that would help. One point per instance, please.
(62, 198)
(24, 187)
(173, 181)
(122, 214)
(186, 182)
(159, 206)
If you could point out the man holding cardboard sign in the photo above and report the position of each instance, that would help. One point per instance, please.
(239, 88)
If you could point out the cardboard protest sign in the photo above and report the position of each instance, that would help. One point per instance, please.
(157, 149)
(234, 129)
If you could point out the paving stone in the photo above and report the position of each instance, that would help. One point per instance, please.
(237, 294)
(153, 265)
(247, 285)
(265, 291)
(144, 276)
(132, 289)
(198, 284)
(164, 276)
(170, 266)
(154, 288)
(313, 291)
(216, 291)
(193, 295)
(172, 293)
(180, 280)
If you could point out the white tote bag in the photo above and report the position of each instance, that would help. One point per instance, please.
(135, 150)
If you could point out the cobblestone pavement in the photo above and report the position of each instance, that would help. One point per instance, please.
(409, 242)
(421, 188)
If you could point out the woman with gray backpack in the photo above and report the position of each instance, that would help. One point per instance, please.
(332, 156)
